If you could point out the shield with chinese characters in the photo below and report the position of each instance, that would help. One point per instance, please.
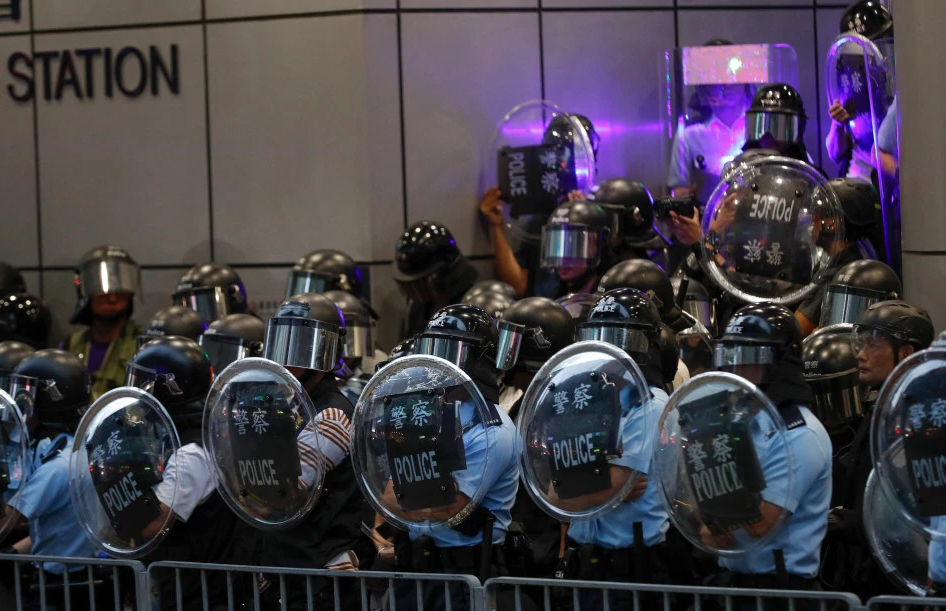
(262, 434)
(423, 434)
(15, 466)
(721, 453)
(116, 472)
(587, 431)
(908, 439)
(770, 230)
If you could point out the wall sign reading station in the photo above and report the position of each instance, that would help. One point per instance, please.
(86, 73)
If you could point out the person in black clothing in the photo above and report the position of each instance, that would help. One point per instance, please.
(776, 120)
(885, 334)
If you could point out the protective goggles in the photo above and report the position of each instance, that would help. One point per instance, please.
(224, 350)
(148, 379)
(458, 351)
(782, 126)
(629, 339)
(210, 303)
(109, 276)
(873, 341)
(837, 398)
(735, 355)
(570, 246)
(844, 304)
(511, 336)
(300, 342)
(302, 281)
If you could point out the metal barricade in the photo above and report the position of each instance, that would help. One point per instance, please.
(90, 583)
(191, 586)
(904, 603)
(507, 593)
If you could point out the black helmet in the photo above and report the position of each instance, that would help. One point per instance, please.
(531, 331)
(575, 235)
(307, 331)
(11, 353)
(494, 303)
(491, 286)
(632, 208)
(647, 276)
(403, 348)
(212, 290)
(178, 373)
(24, 318)
(855, 287)
(104, 270)
(231, 338)
(831, 371)
(669, 349)
(174, 320)
(759, 334)
(776, 110)
(868, 18)
(463, 334)
(628, 319)
(578, 305)
(898, 321)
(697, 302)
(359, 321)
(428, 263)
(860, 204)
(11, 281)
(561, 130)
(57, 384)
(324, 270)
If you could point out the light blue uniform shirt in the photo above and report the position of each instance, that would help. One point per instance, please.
(44, 500)
(887, 132)
(615, 529)
(499, 476)
(807, 497)
(937, 553)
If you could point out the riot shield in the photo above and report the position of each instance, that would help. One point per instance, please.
(119, 456)
(537, 155)
(706, 92)
(770, 230)
(908, 439)
(586, 431)
(15, 462)
(262, 434)
(721, 451)
(423, 434)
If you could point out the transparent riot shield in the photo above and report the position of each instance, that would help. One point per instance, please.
(263, 437)
(15, 462)
(537, 155)
(423, 443)
(587, 431)
(721, 451)
(706, 92)
(860, 75)
(908, 439)
(901, 550)
(769, 231)
(119, 458)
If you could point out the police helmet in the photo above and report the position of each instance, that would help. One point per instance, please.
(463, 334)
(647, 276)
(632, 207)
(777, 111)
(212, 290)
(324, 270)
(560, 130)
(494, 303)
(830, 368)
(575, 236)
(58, 384)
(104, 270)
(869, 18)
(531, 331)
(763, 334)
(897, 321)
(307, 331)
(428, 263)
(860, 204)
(359, 320)
(178, 373)
(24, 318)
(491, 286)
(855, 287)
(174, 320)
(628, 319)
(231, 338)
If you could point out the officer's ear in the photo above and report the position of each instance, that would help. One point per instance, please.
(905, 351)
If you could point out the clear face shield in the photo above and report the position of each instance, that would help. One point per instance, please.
(456, 350)
(147, 379)
(753, 362)
(783, 127)
(629, 339)
(872, 341)
(304, 343)
(837, 398)
(302, 281)
(702, 309)
(210, 303)
(844, 304)
(568, 246)
(109, 276)
(511, 336)
(358, 341)
(224, 350)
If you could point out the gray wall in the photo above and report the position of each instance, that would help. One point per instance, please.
(304, 124)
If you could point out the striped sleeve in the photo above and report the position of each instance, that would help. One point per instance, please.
(323, 444)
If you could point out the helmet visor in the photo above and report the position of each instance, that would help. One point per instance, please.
(300, 342)
(456, 350)
(844, 304)
(146, 379)
(210, 303)
(627, 338)
(737, 355)
(224, 350)
(302, 281)
(570, 246)
(358, 342)
(109, 276)
(837, 398)
(702, 310)
(782, 126)
(23, 390)
(510, 341)
(872, 341)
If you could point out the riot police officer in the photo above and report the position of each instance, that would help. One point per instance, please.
(886, 333)
(854, 288)
(762, 343)
(776, 120)
(431, 272)
(24, 318)
(405, 347)
(325, 270)
(632, 205)
(107, 279)
(648, 277)
(231, 338)
(575, 249)
(174, 320)
(212, 290)
(58, 387)
(359, 345)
